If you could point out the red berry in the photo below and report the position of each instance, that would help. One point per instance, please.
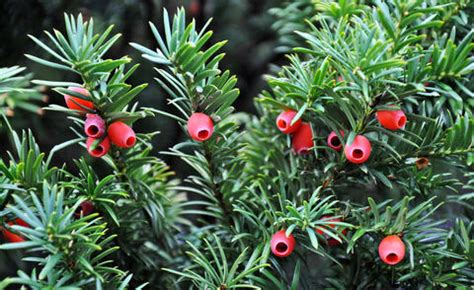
(392, 120)
(283, 122)
(281, 245)
(94, 126)
(79, 104)
(100, 150)
(334, 142)
(331, 241)
(200, 127)
(12, 237)
(392, 250)
(303, 139)
(121, 135)
(84, 209)
(359, 151)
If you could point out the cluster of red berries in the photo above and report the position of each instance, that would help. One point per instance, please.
(301, 132)
(95, 127)
(391, 249)
(358, 152)
(200, 127)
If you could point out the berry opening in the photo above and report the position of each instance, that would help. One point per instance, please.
(402, 121)
(282, 124)
(92, 130)
(357, 153)
(130, 141)
(203, 134)
(98, 150)
(281, 247)
(392, 258)
(335, 142)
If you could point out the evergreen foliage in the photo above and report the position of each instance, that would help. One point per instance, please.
(213, 230)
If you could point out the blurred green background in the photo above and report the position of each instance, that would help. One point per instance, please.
(246, 24)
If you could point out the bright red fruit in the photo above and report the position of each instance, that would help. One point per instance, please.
(392, 120)
(79, 104)
(283, 122)
(84, 209)
(359, 151)
(200, 127)
(331, 241)
(12, 237)
(100, 150)
(121, 135)
(281, 245)
(94, 126)
(392, 250)
(303, 139)
(334, 142)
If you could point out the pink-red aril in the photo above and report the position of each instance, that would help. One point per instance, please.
(392, 250)
(392, 120)
(284, 120)
(302, 140)
(100, 149)
(359, 151)
(94, 126)
(200, 127)
(75, 103)
(121, 135)
(281, 245)
(334, 142)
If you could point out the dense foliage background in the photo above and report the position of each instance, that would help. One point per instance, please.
(349, 61)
